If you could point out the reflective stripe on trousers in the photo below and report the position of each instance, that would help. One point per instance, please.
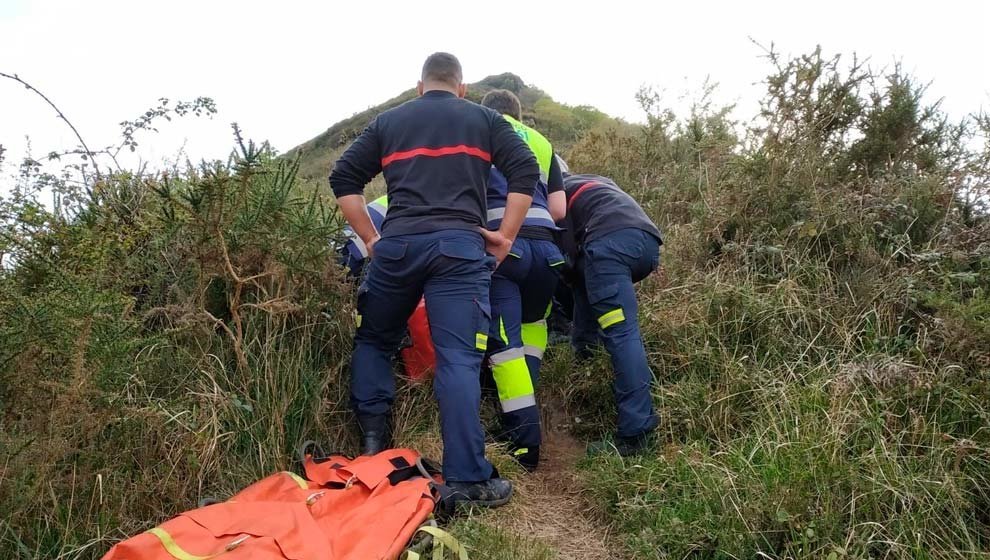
(515, 386)
(534, 337)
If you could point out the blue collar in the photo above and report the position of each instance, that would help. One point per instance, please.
(439, 93)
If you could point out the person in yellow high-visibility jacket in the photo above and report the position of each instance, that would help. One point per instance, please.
(522, 288)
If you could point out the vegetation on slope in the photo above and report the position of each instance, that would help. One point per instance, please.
(820, 333)
(562, 122)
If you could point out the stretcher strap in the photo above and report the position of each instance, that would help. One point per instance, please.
(298, 480)
(177, 552)
(442, 541)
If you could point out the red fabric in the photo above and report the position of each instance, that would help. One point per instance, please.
(437, 152)
(580, 190)
(420, 358)
(345, 509)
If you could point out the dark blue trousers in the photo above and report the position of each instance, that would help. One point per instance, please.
(605, 310)
(522, 288)
(453, 271)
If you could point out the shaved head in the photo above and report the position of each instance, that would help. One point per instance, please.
(442, 68)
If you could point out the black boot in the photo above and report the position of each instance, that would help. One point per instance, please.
(527, 457)
(455, 496)
(622, 445)
(375, 434)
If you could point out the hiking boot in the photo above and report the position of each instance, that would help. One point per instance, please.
(527, 457)
(375, 436)
(493, 492)
(624, 446)
(373, 443)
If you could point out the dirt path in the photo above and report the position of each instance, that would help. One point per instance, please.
(548, 505)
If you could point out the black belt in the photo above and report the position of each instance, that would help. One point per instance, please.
(536, 232)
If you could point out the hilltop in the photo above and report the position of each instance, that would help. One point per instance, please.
(563, 124)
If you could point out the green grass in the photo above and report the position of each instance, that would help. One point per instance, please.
(820, 472)
(487, 541)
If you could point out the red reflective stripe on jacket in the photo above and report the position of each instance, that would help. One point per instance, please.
(580, 190)
(437, 152)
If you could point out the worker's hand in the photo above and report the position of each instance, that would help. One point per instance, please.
(370, 244)
(497, 244)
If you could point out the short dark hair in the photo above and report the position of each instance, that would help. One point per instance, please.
(442, 67)
(503, 101)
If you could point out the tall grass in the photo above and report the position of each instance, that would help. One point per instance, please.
(171, 338)
(819, 333)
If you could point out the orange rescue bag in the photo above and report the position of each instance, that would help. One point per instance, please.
(343, 509)
(420, 357)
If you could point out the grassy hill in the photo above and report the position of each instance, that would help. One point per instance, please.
(561, 123)
(819, 334)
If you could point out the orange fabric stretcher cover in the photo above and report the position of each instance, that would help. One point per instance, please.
(419, 358)
(344, 509)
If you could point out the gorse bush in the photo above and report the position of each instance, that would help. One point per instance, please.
(165, 338)
(820, 331)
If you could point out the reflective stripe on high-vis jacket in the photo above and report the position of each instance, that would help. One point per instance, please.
(379, 205)
(515, 387)
(499, 213)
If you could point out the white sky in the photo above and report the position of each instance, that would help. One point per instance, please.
(288, 70)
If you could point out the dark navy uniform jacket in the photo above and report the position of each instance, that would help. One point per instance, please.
(596, 206)
(436, 153)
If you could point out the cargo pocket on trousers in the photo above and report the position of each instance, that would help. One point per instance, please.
(518, 251)
(606, 306)
(482, 324)
(463, 250)
(556, 261)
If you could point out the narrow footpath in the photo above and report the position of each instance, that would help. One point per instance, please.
(548, 505)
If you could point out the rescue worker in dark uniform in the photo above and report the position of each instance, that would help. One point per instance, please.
(522, 288)
(354, 253)
(612, 244)
(436, 153)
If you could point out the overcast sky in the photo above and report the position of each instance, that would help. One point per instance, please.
(288, 70)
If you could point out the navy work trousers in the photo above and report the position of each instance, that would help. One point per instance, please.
(605, 310)
(522, 288)
(453, 271)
